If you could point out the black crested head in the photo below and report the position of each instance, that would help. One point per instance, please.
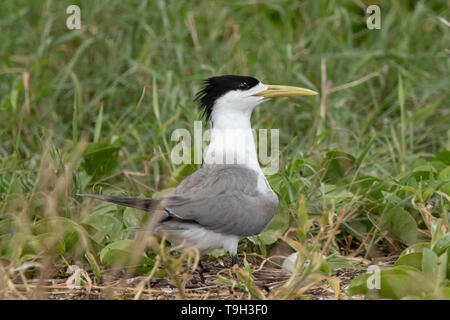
(215, 87)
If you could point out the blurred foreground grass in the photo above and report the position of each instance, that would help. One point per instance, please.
(364, 168)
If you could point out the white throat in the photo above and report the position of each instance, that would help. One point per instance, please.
(232, 140)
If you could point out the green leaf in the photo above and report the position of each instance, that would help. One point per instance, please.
(98, 124)
(394, 283)
(415, 248)
(444, 180)
(337, 164)
(100, 160)
(48, 242)
(325, 267)
(408, 188)
(120, 253)
(105, 223)
(442, 244)
(116, 251)
(338, 194)
(364, 152)
(400, 225)
(71, 231)
(132, 218)
(412, 259)
(94, 265)
(436, 230)
(70, 240)
(443, 156)
(412, 256)
(302, 214)
(343, 263)
(443, 272)
(445, 292)
(430, 264)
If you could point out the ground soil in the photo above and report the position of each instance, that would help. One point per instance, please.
(117, 284)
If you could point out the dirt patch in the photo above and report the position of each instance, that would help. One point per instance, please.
(219, 284)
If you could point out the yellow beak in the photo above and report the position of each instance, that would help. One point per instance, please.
(284, 91)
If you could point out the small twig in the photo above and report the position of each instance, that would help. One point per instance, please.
(447, 23)
(190, 24)
(354, 254)
(354, 83)
(360, 4)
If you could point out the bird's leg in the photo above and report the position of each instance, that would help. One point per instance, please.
(200, 271)
(234, 260)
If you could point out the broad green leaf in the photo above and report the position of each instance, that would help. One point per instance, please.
(306, 166)
(430, 264)
(337, 164)
(120, 252)
(335, 154)
(424, 168)
(417, 247)
(132, 218)
(48, 242)
(325, 267)
(442, 244)
(436, 230)
(71, 231)
(443, 156)
(445, 292)
(100, 160)
(372, 187)
(57, 223)
(70, 240)
(400, 225)
(412, 259)
(116, 251)
(106, 225)
(395, 283)
(106, 207)
(444, 180)
(443, 270)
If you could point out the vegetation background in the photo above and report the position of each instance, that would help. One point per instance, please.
(364, 166)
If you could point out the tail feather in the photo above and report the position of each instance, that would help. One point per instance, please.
(137, 203)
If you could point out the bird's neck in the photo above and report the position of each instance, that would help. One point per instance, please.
(232, 140)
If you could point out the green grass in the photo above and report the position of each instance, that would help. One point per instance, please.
(125, 81)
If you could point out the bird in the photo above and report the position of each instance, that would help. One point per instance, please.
(228, 198)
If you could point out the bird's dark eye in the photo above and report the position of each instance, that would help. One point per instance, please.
(243, 85)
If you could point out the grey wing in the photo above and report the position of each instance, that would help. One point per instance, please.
(223, 198)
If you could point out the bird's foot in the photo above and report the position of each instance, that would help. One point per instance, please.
(201, 270)
(234, 260)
